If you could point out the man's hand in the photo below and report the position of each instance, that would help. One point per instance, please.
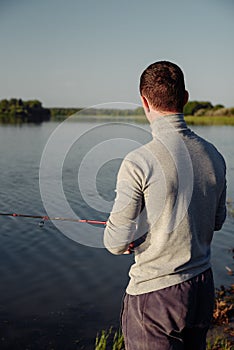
(130, 249)
(135, 243)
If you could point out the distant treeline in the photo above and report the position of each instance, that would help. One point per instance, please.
(198, 108)
(192, 108)
(18, 111)
(62, 113)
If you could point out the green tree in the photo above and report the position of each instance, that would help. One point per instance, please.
(4, 105)
(193, 106)
(216, 107)
(18, 111)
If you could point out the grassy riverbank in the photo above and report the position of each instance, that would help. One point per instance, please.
(17, 111)
(209, 120)
(220, 336)
(141, 119)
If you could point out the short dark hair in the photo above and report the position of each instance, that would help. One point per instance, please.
(162, 83)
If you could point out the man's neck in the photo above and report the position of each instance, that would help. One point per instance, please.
(154, 114)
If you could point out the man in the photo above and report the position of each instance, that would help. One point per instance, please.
(170, 199)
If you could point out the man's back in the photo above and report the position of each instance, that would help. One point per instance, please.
(182, 181)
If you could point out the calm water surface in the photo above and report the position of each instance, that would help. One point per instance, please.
(56, 293)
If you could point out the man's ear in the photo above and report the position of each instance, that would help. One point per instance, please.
(186, 97)
(145, 103)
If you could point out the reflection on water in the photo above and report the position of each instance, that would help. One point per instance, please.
(55, 292)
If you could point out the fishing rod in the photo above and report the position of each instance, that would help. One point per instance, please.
(44, 218)
(48, 218)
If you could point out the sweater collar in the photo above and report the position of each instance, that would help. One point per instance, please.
(168, 123)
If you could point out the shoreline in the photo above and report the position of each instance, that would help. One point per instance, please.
(141, 119)
(62, 330)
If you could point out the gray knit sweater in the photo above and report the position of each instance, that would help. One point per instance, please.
(171, 197)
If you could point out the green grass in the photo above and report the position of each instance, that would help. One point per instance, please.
(190, 120)
(107, 341)
(219, 343)
(209, 120)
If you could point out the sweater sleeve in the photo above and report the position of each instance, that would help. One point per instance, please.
(121, 225)
(221, 210)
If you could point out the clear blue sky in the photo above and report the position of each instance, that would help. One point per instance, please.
(86, 52)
